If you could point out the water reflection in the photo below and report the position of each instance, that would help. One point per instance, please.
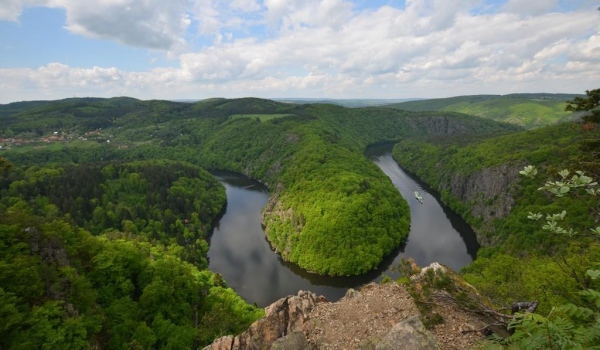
(436, 232)
(240, 252)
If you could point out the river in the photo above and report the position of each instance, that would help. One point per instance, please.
(240, 252)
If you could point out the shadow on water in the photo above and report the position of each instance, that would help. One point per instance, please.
(343, 282)
(240, 252)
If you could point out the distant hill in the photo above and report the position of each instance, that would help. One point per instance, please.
(527, 110)
(351, 103)
(345, 102)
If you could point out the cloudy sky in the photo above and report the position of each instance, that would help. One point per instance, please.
(195, 49)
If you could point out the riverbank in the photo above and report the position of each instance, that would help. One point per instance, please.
(240, 252)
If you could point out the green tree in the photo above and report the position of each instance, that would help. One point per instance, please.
(568, 326)
(585, 103)
(4, 165)
(591, 117)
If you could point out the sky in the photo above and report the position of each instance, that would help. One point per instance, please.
(384, 49)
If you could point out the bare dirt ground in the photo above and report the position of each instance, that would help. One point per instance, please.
(362, 318)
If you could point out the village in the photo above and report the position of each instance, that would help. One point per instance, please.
(56, 136)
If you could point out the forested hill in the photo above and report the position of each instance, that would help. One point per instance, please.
(527, 110)
(105, 208)
(310, 156)
(112, 256)
(479, 179)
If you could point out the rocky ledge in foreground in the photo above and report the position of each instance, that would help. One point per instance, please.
(379, 317)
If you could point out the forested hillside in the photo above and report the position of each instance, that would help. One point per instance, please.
(479, 178)
(527, 110)
(104, 239)
(139, 281)
(310, 157)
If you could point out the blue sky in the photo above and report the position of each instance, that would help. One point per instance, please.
(296, 48)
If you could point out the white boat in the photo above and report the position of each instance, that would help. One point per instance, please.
(419, 197)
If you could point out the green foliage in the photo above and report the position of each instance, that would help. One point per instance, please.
(528, 110)
(224, 312)
(566, 327)
(559, 189)
(68, 289)
(331, 210)
(64, 288)
(4, 165)
(444, 162)
(506, 279)
(590, 140)
(552, 261)
(572, 325)
(421, 285)
(261, 117)
(585, 103)
(164, 201)
(342, 214)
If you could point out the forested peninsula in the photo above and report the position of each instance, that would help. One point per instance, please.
(106, 208)
(310, 157)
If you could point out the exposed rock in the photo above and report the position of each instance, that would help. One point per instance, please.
(351, 293)
(285, 316)
(438, 125)
(435, 266)
(489, 184)
(223, 343)
(293, 310)
(409, 334)
(294, 341)
(488, 192)
(360, 319)
(462, 308)
(377, 316)
(275, 211)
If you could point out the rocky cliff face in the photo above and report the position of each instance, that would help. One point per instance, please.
(376, 317)
(439, 125)
(489, 193)
(282, 318)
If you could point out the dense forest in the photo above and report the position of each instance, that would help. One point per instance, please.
(105, 208)
(112, 256)
(522, 260)
(310, 156)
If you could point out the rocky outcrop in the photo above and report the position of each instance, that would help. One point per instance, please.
(284, 317)
(294, 341)
(409, 334)
(376, 317)
(439, 125)
(490, 188)
(275, 211)
(489, 193)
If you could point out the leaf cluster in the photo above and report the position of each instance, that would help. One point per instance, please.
(64, 288)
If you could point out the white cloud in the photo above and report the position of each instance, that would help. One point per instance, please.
(328, 48)
(10, 10)
(154, 24)
(528, 7)
(587, 51)
(245, 5)
(293, 14)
